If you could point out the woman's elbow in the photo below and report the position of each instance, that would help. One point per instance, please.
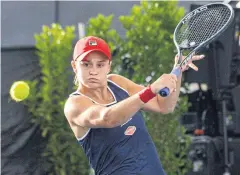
(167, 110)
(108, 121)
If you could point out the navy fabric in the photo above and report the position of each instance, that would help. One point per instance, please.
(111, 152)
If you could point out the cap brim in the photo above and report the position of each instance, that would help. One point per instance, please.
(85, 54)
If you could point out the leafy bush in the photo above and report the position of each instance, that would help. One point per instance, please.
(143, 55)
(48, 94)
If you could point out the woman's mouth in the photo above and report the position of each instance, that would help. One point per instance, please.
(93, 80)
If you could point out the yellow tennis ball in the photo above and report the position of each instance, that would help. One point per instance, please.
(19, 91)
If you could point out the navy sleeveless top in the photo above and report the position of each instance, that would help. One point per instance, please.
(123, 150)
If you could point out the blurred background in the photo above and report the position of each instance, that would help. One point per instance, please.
(36, 138)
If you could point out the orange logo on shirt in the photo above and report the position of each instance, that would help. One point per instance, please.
(130, 130)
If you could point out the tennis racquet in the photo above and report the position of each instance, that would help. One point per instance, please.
(196, 30)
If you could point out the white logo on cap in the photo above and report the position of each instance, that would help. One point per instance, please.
(92, 43)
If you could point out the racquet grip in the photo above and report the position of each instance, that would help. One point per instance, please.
(164, 92)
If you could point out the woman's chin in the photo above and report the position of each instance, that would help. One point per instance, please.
(93, 85)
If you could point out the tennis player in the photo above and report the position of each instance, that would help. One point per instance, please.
(104, 112)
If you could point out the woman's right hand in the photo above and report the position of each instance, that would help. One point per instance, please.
(166, 80)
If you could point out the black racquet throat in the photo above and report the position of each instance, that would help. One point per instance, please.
(196, 30)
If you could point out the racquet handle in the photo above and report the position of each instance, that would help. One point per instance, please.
(164, 92)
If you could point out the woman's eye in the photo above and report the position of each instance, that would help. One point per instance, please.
(100, 65)
(86, 64)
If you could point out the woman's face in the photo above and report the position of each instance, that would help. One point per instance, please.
(92, 73)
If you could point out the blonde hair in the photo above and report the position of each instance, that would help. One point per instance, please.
(75, 81)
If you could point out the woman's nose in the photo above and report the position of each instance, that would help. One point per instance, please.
(93, 71)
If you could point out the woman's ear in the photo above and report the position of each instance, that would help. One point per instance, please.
(74, 66)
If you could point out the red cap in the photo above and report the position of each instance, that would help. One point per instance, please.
(89, 44)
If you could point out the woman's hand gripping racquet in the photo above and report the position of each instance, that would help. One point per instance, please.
(196, 30)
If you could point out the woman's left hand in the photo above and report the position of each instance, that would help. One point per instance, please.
(189, 64)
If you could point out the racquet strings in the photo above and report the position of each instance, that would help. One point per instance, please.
(202, 26)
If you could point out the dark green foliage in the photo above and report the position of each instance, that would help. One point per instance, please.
(144, 54)
(46, 102)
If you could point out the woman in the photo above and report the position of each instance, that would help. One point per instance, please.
(104, 113)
